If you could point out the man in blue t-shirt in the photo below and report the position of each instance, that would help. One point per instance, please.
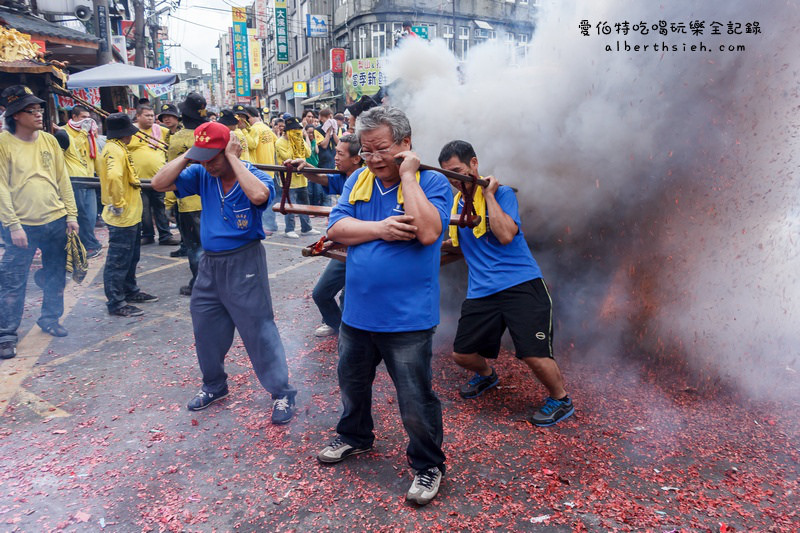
(232, 286)
(505, 290)
(332, 280)
(392, 217)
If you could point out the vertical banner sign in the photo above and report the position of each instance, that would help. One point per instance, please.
(214, 73)
(260, 14)
(256, 72)
(241, 57)
(230, 49)
(102, 27)
(281, 33)
(338, 56)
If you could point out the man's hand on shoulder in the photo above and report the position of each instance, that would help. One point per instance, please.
(410, 162)
(491, 189)
(398, 228)
(234, 147)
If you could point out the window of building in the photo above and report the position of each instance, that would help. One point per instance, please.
(522, 39)
(447, 31)
(492, 34)
(431, 30)
(378, 39)
(463, 32)
(362, 42)
(525, 2)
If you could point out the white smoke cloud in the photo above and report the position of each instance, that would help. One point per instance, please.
(658, 188)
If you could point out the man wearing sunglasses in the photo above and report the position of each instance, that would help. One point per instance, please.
(37, 210)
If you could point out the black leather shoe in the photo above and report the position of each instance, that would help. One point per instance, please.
(178, 253)
(172, 240)
(55, 329)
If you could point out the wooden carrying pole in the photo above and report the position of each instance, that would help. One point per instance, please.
(324, 211)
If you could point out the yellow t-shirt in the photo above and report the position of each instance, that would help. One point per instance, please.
(34, 184)
(146, 159)
(179, 143)
(264, 152)
(283, 149)
(119, 186)
(77, 155)
(245, 145)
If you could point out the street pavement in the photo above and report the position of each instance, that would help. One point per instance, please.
(95, 434)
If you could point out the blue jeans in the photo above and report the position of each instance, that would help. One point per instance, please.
(153, 210)
(51, 239)
(86, 201)
(268, 218)
(119, 274)
(330, 283)
(316, 194)
(298, 197)
(189, 226)
(407, 356)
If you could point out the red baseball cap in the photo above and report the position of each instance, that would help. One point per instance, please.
(210, 138)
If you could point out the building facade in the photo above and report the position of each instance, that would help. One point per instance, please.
(367, 29)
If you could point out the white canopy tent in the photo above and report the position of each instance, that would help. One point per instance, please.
(117, 74)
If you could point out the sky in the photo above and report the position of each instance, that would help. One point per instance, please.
(196, 26)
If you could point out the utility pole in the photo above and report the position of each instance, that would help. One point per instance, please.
(138, 25)
(154, 30)
(102, 28)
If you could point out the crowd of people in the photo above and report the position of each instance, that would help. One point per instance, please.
(393, 217)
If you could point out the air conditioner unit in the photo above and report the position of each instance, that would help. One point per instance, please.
(81, 9)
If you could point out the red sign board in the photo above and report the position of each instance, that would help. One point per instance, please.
(338, 57)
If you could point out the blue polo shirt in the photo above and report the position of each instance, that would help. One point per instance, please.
(227, 221)
(392, 286)
(493, 266)
(335, 183)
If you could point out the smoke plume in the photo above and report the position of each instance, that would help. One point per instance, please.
(657, 186)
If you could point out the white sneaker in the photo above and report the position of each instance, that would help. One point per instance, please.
(291, 235)
(324, 331)
(312, 231)
(425, 486)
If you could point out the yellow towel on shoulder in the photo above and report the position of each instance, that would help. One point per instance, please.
(362, 190)
(479, 202)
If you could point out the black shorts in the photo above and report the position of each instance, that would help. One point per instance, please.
(525, 309)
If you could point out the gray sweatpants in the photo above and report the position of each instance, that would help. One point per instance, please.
(232, 290)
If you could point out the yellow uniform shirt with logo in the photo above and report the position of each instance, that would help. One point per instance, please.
(119, 186)
(240, 134)
(77, 155)
(179, 143)
(264, 142)
(34, 184)
(146, 159)
(283, 149)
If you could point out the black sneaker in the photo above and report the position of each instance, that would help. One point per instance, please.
(126, 311)
(141, 297)
(338, 450)
(8, 350)
(93, 253)
(55, 329)
(178, 253)
(185, 291)
(282, 410)
(425, 486)
(552, 412)
(203, 399)
(478, 385)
